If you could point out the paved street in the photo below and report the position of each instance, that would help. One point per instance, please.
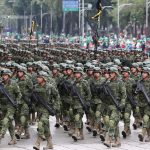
(62, 141)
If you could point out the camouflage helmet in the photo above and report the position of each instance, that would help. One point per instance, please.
(23, 65)
(79, 65)
(146, 69)
(117, 61)
(56, 66)
(21, 69)
(29, 64)
(78, 70)
(114, 69)
(125, 69)
(146, 63)
(6, 71)
(43, 74)
(135, 65)
(97, 70)
(70, 66)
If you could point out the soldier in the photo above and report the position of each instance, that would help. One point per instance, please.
(26, 87)
(129, 82)
(81, 87)
(136, 76)
(49, 95)
(57, 76)
(7, 109)
(144, 104)
(112, 117)
(96, 105)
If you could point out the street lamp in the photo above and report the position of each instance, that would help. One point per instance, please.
(119, 8)
(147, 7)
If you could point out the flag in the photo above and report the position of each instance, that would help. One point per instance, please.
(33, 26)
(99, 10)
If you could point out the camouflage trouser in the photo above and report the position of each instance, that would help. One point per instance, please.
(44, 126)
(78, 115)
(112, 119)
(96, 109)
(24, 113)
(126, 115)
(145, 113)
(137, 115)
(67, 112)
(7, 122)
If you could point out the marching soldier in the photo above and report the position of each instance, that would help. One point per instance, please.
(129, 82)
(112, 117)
(7, 106)
(144, 104)
(26, 87)
(49, 95)
(81, 87)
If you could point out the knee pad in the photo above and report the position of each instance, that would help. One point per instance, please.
(97, 114)
(146, 118)
(77, 117)
(111, 123)
(126, 116)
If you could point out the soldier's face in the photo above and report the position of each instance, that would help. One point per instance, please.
(30, 69)
(133, 70)
(20, 74)
(96, 74)
(54, 71)
(69, 71)
(145, 75)
(77, 75)
(112, 75)
(5, 77)
(64, 72)
(125, 74)
(89, 72)
(106, 75)
(40, 80)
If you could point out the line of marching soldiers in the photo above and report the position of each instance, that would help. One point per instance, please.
(106, 93)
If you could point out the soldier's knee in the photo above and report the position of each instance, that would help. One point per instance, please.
(146, 118)
(111, 123)
(5, 121)
(97, 114)
(106, 118)
(77, 117)
(40, 125)
(126, 116)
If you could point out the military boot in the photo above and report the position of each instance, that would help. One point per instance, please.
(37, 144)
(65, 126)
(107, 141)
(90, 126)
(18, 134)
(126, 132)
(81, 135)
(72, 129)
(103, 135)
(96, 129)
(26, 135)
(148, 136)
(57, 125)
(117, 142)
(49, 144)
(13, 141)
(75, 136)
(142, 135)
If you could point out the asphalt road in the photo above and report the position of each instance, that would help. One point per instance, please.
(62, 141)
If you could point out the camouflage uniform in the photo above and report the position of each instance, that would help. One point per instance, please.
(50, 95)
(83, 89)
(26, 87)
(8, 110)
(144, 107)
(112, 117)
(129, 82)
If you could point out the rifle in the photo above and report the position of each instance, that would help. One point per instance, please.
(131, 99)
(76, 93)
(141, 88)
(108, 91)
(3, 91)
(42, 102)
